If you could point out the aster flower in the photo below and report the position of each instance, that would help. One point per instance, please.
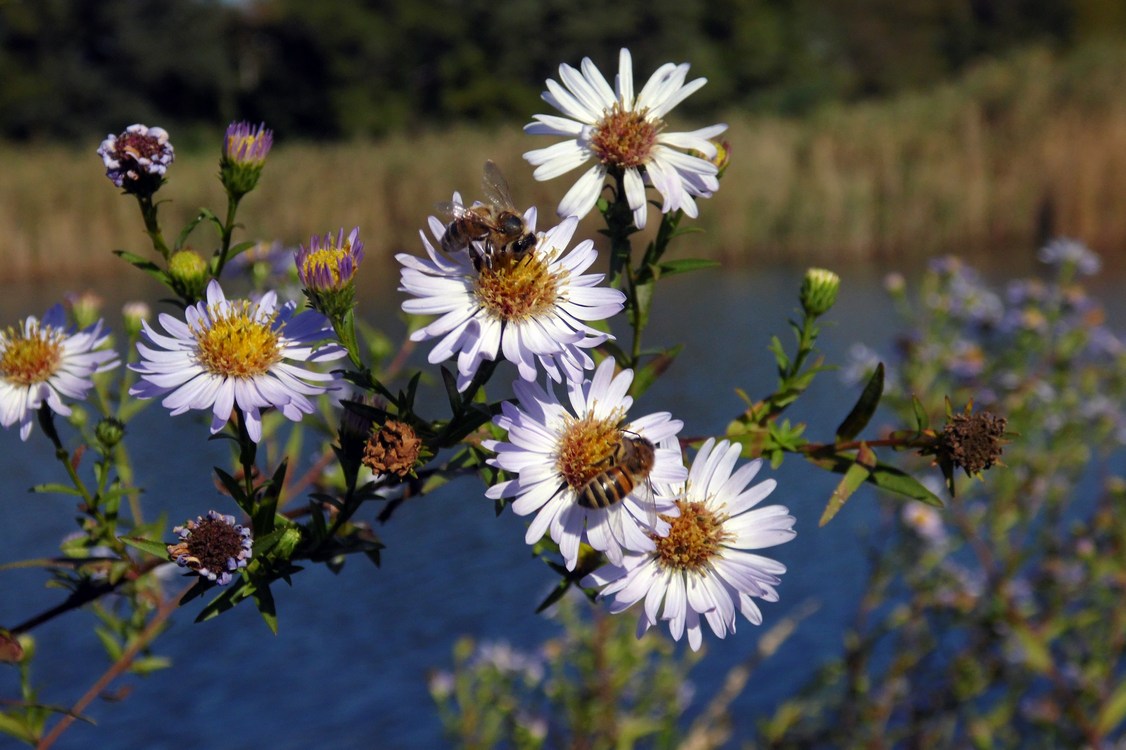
(236, 352)
(555, 452)
(527, 311)
(41, 361)
(213, 546)
(624, 134)
(244, 154)
(704, 566)
(137, 159)
(327, 269)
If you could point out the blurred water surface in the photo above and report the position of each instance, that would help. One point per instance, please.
(348, 667)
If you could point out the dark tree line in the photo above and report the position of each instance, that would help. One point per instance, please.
(341, 69)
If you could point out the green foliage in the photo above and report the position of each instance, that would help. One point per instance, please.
(997, 621)
(343, 69)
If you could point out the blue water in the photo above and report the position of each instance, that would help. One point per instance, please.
(348, 667)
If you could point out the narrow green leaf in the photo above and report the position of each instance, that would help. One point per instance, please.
(921, 417)
(1037, 654)
(854, 476)
(780, 356)
(62, 489)
(865, 407)
(449, 380)
(156, 549)
(895, 480)
(671, 267)
(555, 595)
(190, 227)
(1113, 710)
(266, 607)
(143, 264)
(647, 375)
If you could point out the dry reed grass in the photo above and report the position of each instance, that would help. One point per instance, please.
(1017, 150)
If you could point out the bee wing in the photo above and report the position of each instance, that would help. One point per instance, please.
(453, 210)
(496, 187)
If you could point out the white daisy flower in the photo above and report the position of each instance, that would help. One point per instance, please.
(561, 456)
(40, 361)
(527, 311)
(236, 352)
(703, 566)
(623, 133)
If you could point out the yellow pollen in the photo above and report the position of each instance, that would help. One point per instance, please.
(328, 259)
(585, 447)
(33, 358)
(625, 138)
(236, 345)
(517, 290)
(694, 538)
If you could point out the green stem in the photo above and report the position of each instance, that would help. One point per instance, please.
(152, 225)
(228, 230)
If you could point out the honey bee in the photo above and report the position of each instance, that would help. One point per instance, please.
(497, 223)
(629, 466)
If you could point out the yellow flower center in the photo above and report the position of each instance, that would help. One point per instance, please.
(694, 538)
(624, 138)
(326, 260)
(33, 358)
(235, 344)
(585, 446)
(516, 290)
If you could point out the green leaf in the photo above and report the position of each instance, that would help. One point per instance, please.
(556, 594)
(854, 476)
(143, 264)
(684, 265)
(156, 549)
(896, 480)
(266, 607)
(647, 375)
(62, 489)
(865, 407)
(1113, 710)
(780, 357)
(1037, 655)
(921, 417)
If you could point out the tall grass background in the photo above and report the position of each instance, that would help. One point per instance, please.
(1017, 150)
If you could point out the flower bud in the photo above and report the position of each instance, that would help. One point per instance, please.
(188, 273)
(327, 269)
(134, 313)
(819, 291)
(85, 309)
(244, 154)
(109, 432)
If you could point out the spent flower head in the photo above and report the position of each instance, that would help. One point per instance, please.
(566, 467)
(244, 154)
(528, 311)
(624, 133)
(214, 546)
(704, 566)
(42, 361)
(137, 159)
(229, 353)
